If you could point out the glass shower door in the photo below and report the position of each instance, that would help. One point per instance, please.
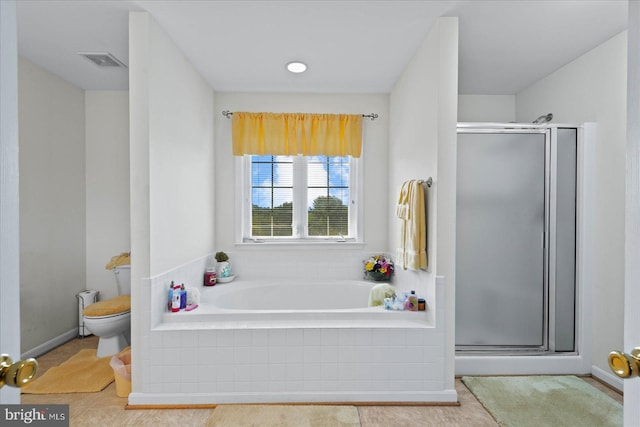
(500, 239)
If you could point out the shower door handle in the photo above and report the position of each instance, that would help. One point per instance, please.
(16, 374)
(625, 365)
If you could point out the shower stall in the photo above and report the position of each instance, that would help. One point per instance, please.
(518, 256)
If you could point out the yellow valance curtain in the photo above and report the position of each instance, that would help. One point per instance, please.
(297, 133)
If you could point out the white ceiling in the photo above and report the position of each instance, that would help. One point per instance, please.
(350, 46)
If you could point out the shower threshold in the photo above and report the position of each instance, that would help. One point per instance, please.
(511, 351)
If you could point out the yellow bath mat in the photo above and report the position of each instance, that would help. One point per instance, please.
(82, 373)
(284, 416)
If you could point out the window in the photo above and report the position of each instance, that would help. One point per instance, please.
(271, 196)
(295, 198)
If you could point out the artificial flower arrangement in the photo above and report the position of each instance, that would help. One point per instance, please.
(378, 267)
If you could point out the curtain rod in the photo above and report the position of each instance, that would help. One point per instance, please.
(371, 116)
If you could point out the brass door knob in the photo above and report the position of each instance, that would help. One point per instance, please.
(625, 365)
(5, 363)
(16, 374)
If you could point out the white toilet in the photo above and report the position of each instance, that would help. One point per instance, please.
(111, 319)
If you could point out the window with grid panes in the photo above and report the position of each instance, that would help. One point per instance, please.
(300, 198)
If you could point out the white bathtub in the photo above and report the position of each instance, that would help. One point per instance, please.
(275, 304)
(290, 296)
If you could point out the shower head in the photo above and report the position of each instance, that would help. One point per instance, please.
(543, 119)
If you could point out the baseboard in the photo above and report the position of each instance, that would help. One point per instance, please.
(427, 398)
(51, 344)
(607, 377)
(215, 405)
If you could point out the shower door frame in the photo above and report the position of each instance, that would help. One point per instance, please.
(549, 238)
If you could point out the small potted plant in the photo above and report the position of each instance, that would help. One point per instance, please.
(223, 267)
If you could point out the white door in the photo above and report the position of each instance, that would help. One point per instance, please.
(632, 216)
(9, 232)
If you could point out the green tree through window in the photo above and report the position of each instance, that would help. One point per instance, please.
(272, 221)
(328, 217)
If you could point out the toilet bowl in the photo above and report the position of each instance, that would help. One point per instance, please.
(110, 320)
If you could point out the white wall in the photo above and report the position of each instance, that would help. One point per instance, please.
(422, 132)
(181, 157)
(487, 108)
(52, 203)
(107, 185)
(172, 167)
(593, 89)
(315, 262)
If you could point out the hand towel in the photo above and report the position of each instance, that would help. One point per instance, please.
(379, 292)
(412, 250)
(123, 259)
(402, 208)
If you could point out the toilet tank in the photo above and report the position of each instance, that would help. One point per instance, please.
(123, 279)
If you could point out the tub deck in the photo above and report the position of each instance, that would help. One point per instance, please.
(233, 305)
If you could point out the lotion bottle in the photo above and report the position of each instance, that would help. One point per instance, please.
(412, 302)
(183, 297)
(175, 305)
(170, 300)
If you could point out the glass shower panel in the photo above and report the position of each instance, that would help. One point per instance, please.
(565, 250)
(500, 265)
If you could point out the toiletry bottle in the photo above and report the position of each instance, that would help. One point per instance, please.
(422, 304)
(413, 299)
(170, 300)
(411, 302)
(175, 306)
(210, 277)
(407, 302)
(183, 297)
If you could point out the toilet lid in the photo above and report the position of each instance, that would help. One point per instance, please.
(115, 305)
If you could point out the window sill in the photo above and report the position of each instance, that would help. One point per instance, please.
(303, 244)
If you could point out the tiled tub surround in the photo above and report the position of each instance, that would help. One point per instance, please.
(211, 361)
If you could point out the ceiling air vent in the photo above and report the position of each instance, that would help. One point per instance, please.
(103, 59)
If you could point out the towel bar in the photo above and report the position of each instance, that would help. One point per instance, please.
(429, 182)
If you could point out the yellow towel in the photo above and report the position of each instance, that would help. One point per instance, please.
(123, 259)
(379, 292)
(402, 208)
(412, 251)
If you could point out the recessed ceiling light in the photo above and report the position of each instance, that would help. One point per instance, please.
(297, 67)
